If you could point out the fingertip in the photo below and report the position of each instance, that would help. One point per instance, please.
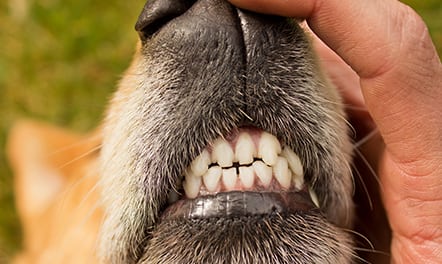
(287, 8)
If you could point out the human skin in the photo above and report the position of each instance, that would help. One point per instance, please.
(400, 75)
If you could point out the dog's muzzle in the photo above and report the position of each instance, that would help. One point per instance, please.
(246, 171)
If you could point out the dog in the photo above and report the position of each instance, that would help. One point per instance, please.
(224, 143)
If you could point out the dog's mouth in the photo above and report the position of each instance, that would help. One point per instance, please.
(249, 172)
(218, 138)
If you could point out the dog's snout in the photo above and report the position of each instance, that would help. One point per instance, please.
(204, 71)
(156, 13)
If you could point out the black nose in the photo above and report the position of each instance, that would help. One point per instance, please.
(156, 13)
(212, 43)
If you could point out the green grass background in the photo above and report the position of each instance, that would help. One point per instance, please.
(59, 62)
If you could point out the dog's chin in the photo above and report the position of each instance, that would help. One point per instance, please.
(246, 227)
(256, 223)
(248, 239)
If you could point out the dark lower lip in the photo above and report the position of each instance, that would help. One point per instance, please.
(238, 204)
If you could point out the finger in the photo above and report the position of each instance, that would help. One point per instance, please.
(389, 47)
(348, 27)
(287, 8)
(342, 76)
(348, 83)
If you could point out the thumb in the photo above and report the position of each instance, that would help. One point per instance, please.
(387, 44)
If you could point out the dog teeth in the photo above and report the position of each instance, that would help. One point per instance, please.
(229, 178)
(211, 178)
(247, 162)
(263, 172)
(295, 166)
(298, 182)
(294, 161)
(245, 149)
(313, 196)
(269, 148)
(282, 173)
(200, 164)
(247, 176)
(192, 185)
(222, 153)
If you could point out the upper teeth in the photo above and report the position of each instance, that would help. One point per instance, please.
(241, 164)
(269, 149)
(222, 153)
(199, 165)
(245, 149)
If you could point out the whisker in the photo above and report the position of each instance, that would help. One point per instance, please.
(71, 188)
(88, 194)
(366, 138)
(356, 147)
(360, 258)
(364, 186)
(374, 251)
(355, 108)
(370, 244)
(370, 168)
(82, 223)
(370, 249)
(353, 249)
(352, 131)
(87, 153)
(74, 145)
(90, 213)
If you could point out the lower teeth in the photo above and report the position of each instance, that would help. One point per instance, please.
(251, 160)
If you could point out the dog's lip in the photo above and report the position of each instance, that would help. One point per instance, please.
(241, 203)
(247, 158)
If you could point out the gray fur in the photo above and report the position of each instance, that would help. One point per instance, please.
(198, 77)
(247, 240)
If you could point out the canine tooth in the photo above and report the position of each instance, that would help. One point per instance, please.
(192, 186)
(200, 164)
(229, 178)
(263, 172)
(294, 161)
(244, 149)
(246, 176)
(298, 181)
(222, 153)
(211, 178)
(269, 148)
(282, 172)
(313, 196)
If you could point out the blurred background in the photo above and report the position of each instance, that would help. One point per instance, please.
(59, 62)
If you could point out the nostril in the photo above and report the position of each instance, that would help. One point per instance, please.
(156, 13)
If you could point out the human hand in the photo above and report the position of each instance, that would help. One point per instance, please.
(400, 74)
